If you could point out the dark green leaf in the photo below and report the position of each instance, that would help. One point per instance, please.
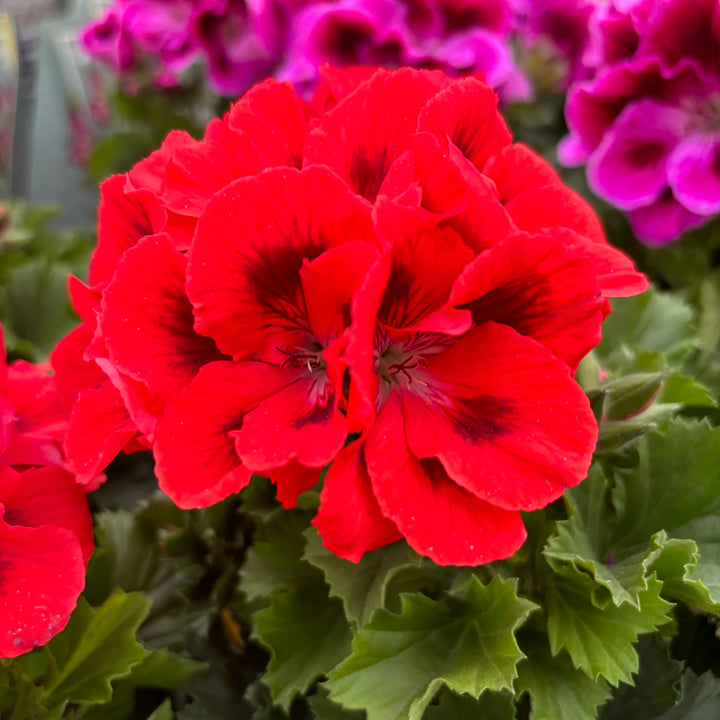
(455, 706)
(308, 635)
(361, 586)
(557, 689)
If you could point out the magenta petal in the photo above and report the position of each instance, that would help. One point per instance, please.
(694, 173)
(664, 221)
(629, 168)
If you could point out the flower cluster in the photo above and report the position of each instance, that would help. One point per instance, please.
(242, 42)
(648, 123)
(45, 527)
(379, 283)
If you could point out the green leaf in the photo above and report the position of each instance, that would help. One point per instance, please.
(699, 699)
(164, 669)
(557, 689)
(468, 645)
(163, 712)
(655, 688)
(599, 637)
(454, 706)
(36, 305)
(274, 562)
(652, 322)
(687, 391)
(677, 481)
(20, 698)
(361, 586)
(96, 647)
(308, 635)
(325, 709)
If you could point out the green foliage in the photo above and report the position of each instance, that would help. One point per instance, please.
(34, 264)
(96, 647)
(558, 690)
(467, 645)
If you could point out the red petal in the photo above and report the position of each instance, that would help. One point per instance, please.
(615, 272)
(123, 218)
(72, 372)
(25, 497)
(539, 287)
(33, 393)
(437, 517)
(99, 429)
(196, 462)
(504, 417)
(251, 242)
(349, 519)
(424, 263)
(146, 300)
(199, 169)
(556, 206)
(292, 480)
(300, 421)
(517, 168)
(328, 284)
(370, 128)
(275, 120)
(337, 83)
(84, 298)
(150, 172)
(466, 114)
(43, 573)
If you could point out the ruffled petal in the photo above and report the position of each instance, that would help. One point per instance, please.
(503, 416)
(25, 497)
(43, 573)
(362, 136)
(300, 421)
(349, 519)
(465, 113)
(195, 459)
(99, 428)
(693, 172)
(243, 277)
(437, 517)
(147, 299)
(540, 288)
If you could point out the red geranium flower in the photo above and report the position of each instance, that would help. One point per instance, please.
(46, 536)
(379, 283)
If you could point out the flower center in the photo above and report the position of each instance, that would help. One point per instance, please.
(302, 358)
(401, 361)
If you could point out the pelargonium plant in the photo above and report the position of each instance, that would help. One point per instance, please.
(366, 289)
(646, 124)
(46, 531)
(242, 42)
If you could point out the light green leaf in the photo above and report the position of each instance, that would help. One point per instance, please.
(557, 689)
(361, 586)
(455, 706)
(308, 635)
(468, 645)
(96, 647)
(325, 709)
(676, 482)
(599, 639)
(163, 712)
(688, 391)
(655, 688)
(653, 322)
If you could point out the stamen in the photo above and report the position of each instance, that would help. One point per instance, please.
(299, 358)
